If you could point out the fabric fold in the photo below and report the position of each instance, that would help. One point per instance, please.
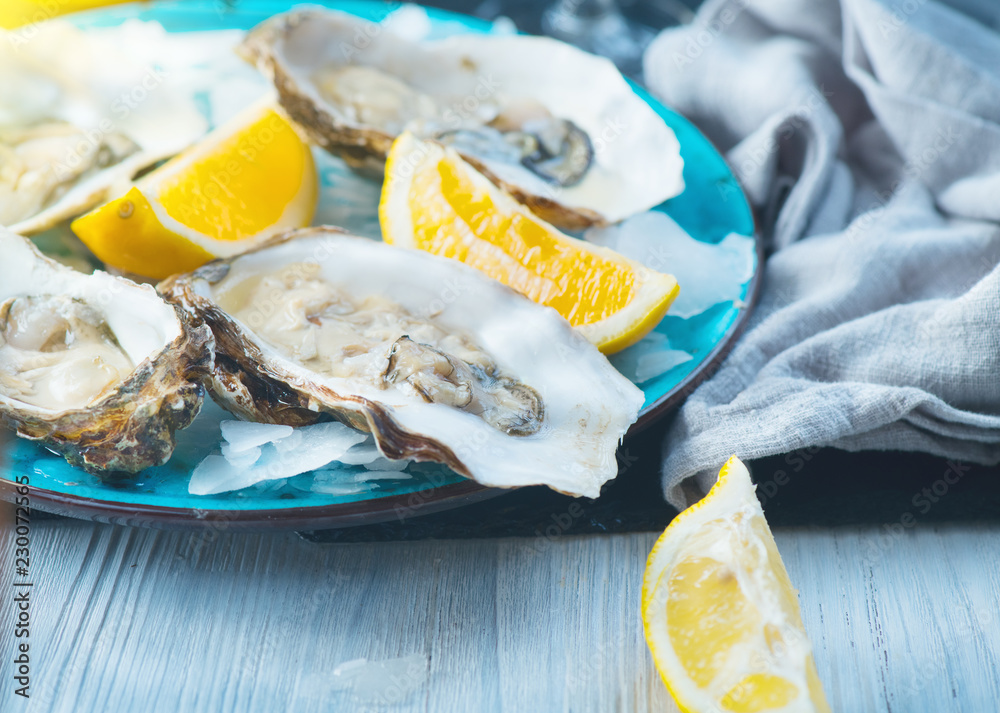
(867, 137)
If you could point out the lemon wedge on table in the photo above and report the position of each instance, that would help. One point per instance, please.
(433, 200)
(721, 617)
(248, 180)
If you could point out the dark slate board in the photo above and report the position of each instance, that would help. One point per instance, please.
(811, 487)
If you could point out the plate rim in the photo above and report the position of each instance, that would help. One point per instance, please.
(363, 512)
(305, 517)
(380, 510)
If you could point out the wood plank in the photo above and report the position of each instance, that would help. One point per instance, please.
(907, 622)
(132, 619)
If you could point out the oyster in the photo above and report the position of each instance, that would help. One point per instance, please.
(36, 180)
(96, 367)
(77, 122)
(435, 359)
(573, 141)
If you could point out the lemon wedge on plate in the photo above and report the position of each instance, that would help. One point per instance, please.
(248, 180)
(433, 200)
(721, 617)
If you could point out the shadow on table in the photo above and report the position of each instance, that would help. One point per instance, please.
(810, 487)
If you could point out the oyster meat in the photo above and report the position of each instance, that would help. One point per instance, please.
(78, 120)
(572, 141)
(34, 173)
(436, 360)
(96, 367)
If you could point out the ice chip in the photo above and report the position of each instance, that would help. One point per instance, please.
(384, 682)
(369, 475)
(362, 454)
(349, 668)
(347, 488)
(387, 464)
(240, 459)
(649, 358)
(292, 443)
(338, 482)
(244, 435)
(215, 474)
(652, 365)
(329, 437)
(270, 486)
(314, 447)
(707, 273)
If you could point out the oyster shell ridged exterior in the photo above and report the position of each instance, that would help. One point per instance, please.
(131, 427)
(364, 149)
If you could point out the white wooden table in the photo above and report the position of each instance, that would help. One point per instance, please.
(139, 620)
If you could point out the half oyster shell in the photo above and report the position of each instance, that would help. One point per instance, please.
(39, 188)
(559, 129)
(436, 360)
(97, 368)
(80, 116)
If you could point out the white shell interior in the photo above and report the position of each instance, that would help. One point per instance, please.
(103, 82)
(141, 321)
(637, 162)
(588, 404)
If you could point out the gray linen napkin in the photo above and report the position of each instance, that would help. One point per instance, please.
(867, 136)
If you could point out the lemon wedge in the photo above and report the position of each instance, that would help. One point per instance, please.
(721, 617)
(248, 180)
(14, 13)
(435, 201)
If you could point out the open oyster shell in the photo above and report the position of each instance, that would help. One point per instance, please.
(97, 368)
(435, 359)
(558, 128)
(79, 118)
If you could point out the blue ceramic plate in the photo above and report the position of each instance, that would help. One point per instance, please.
(711, 207)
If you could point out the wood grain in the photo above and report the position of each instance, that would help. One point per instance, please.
(140, 620)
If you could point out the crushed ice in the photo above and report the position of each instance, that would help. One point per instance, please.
(650, 358)
(267, 456)
(243, 435)
(708, 274)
